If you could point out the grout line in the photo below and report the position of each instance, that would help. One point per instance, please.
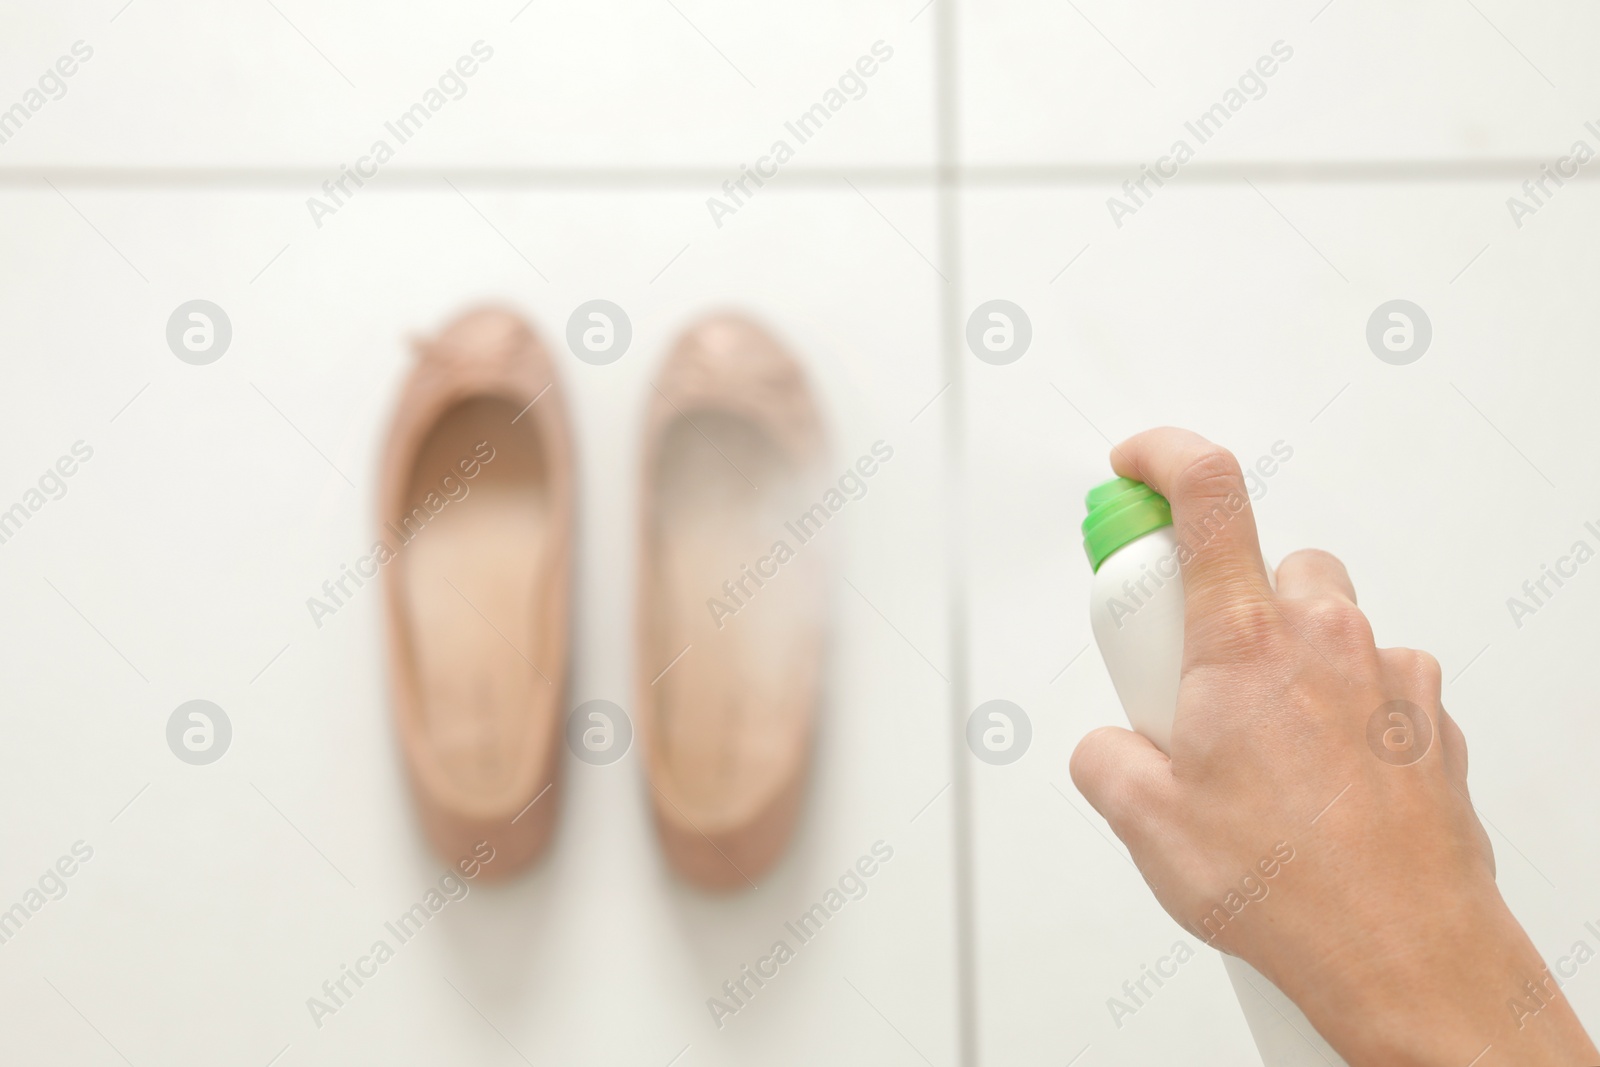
(942, 171)
(948, 197)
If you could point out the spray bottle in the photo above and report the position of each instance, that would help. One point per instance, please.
(1136, 608)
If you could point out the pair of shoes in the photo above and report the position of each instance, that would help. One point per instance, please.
(476, 506)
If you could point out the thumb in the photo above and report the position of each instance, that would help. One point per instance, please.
(1123, 775)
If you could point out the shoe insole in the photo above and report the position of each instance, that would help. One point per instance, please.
(476, 576)
(733, 712)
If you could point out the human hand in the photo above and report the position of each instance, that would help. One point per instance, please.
(1284, 830)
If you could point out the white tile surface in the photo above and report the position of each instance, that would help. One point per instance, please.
(1094, 82)
(1210, 312)
(193, 536)
(645, 83)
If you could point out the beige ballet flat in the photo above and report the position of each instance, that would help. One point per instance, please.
(475, 520)
(730, 617)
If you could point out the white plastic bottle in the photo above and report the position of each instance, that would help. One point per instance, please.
(1136, 608)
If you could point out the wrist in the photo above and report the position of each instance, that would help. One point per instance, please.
(1467, 984)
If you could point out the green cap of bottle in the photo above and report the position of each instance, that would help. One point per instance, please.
(1120, 511)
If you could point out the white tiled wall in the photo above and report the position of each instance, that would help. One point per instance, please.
(629, 85)
(178, 164)
(215, 503)
(1437, 81)
(1432, 481)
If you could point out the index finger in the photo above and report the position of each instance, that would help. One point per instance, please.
(1218, 551)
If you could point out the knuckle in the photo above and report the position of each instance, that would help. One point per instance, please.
(1422, 668)
(1314, 556)
(1214, 471)
(1337, 620)
(1239, 629)
(1252, 622)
